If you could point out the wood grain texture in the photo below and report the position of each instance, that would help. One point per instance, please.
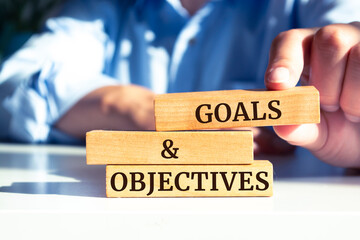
(190, 180)
(236, 108)
(200, 147)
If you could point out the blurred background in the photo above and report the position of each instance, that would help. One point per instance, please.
(19, 19)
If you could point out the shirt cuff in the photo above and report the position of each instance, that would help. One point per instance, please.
(45, 97)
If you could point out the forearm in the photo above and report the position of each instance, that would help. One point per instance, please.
(110, 108)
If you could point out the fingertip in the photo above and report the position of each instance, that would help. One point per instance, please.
(285, 131)
(278, 78)
(352, 118)
(305, 135)
(278, 75)
(330, 108)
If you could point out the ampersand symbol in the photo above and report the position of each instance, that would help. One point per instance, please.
(168, 150)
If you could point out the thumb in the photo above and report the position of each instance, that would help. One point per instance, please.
(289, 53)
(289, 56)
(311, 136)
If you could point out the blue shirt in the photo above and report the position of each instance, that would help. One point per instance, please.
(153, 43)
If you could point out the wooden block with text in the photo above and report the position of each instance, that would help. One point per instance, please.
(190, 180)
(236, 108)
(197, 147)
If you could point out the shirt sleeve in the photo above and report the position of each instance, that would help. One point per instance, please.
(318, 13)
(55, 69)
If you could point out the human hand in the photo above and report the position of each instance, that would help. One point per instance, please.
(134, 102)
(329, 59)
(128, 107)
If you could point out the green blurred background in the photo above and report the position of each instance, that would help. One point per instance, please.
(19, 19)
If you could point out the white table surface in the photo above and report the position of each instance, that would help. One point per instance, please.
(48, 192)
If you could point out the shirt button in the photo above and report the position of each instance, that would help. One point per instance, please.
(192, 41)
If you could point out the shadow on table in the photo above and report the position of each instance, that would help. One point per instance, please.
(44, 168)
(81, 189)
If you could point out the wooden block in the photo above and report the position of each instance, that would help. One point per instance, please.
(202, 147)
(189, 180)
(236, 108)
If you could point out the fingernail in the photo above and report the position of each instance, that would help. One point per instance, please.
(352, 118)
(330, 108)
(279, 75)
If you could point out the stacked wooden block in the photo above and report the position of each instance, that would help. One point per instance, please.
(174, 163)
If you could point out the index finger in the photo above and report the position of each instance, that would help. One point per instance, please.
(289, 53)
